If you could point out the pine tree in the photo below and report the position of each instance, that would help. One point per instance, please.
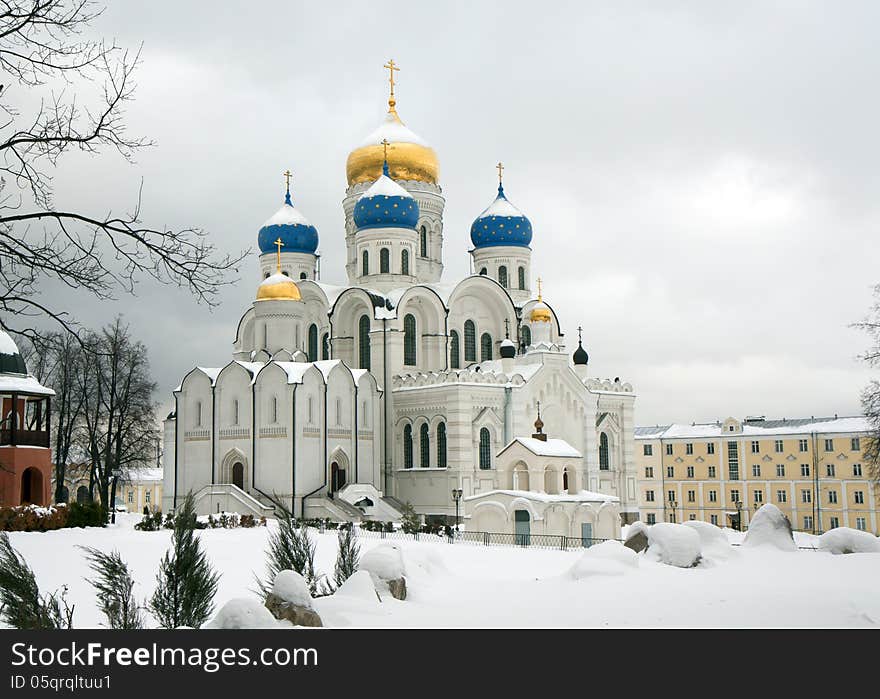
(410, 519)
(186, 582)
(290, 548)
(348, 555)
(114, 585)
(21, 604)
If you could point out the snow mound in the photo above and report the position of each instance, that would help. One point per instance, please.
(846, 540)
(770, 527)
(360, 586)
(243, 613)
(674, 545)
(384, 562)
(636, 536)
(291, 587)
(713, 541)
(608, 558)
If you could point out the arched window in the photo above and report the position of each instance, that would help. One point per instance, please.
(522, 277)
(235, 411)
(424, 446)
(454, 349)
(404, 262)
(274, 409)
(502, 276)
(409, 339)
(483, 271)
(384, 261)
(198, 413)
(485, 449)
(603, 451)
(364, 342)
(565, 480)
(526, 332)
(365, 263)
(303, 275)
(423, 240)
(325, 346)
(485, 347)
(470, 341)
(313, 343)
(441, 445)
(407, 447)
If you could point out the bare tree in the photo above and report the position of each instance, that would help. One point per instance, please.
(119, 420)
(871, 393)
(49, 64)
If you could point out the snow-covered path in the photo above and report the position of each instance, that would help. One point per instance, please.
(472, 586)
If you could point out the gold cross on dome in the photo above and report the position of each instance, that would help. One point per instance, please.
(385, 145)
(287, 176)
(280, 244)
(391, 66)
(500, 169)
(539, 289)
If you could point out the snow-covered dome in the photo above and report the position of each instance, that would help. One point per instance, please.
(508, 349)
(501, 224)
(11, 361)
(386, 205)
(294, 230)
(278, 287)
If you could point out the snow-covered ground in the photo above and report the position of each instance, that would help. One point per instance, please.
(464, 585)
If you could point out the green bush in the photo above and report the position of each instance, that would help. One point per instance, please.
(86, 514)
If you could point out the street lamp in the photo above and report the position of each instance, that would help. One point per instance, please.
(456, 495)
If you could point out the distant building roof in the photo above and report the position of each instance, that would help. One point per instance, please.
(758, 428)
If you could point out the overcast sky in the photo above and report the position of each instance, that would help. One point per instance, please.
(702, 178)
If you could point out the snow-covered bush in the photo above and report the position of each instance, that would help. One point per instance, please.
(846, 540)
(290, 548)
(243, 613)
(384, 562)
(608, 558)
(347, 555)
(673, 544)
(770, 527)
(292, 587)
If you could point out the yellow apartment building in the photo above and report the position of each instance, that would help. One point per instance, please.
(812, 469)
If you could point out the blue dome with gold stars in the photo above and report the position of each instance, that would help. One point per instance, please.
(386, 205)
(294, 230)
(501, 224)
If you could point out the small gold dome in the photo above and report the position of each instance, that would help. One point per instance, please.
(409, 157)
(540, 313)
(278, 287)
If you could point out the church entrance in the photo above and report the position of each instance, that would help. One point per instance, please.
(31, 487)
(238, 475)
(587, 534)
(523, 528)
(337, 477)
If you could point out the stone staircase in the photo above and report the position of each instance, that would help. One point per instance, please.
(226, 497)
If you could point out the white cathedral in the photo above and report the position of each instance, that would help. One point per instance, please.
(400, 387)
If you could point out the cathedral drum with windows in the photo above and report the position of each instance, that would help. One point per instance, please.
(347, 401)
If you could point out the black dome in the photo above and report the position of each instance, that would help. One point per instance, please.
(580, 355)
(508, 350)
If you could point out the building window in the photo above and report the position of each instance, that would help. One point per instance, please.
(409, 339)
(325, 346)
(777, 445)
(690, 471)
(670, 471)
(130, 496)
(710, 448)
(806, 496)
(835, 523)
(147, 497)
(857, 469)
(526, 333)
(647, 450)
(759, 496)
(198, 413)
(652, 518)
(404, 262)
(859, 497)
(829, 470)
(424, 446)
(303, 275)
(689, 448)
(521, 273)
(384, 261)
(712, 472)
(860, 524)
(235, 411)
(454, 350)
(692, 496)
(756, 470)
(855, 444)
(441, 445)
(502, 276)
(832, 497)
(603, 452)
(802, 445)
(668, 450)
(713, 519)
(733, 460)
(692, 517)
(734, 496)
(780, 470)
(649, 471)
(485, 347)
(313, 343)
(670, 495)
(829, 445)
(808, 522)
(672, 516)
(713, 496)
(365, 263)
(781, 496)
(275, 410)
(470, 341)
(649, 495)
(805, 470)
(364, 342)
(423, 241)
(407, 447)
(483, 271)
(485, 449)
(756, 447)
(310, 410)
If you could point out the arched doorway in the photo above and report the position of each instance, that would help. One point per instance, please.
(238, 475)
(82, 494)
(337, 477)
(32, 487)
(522, 527)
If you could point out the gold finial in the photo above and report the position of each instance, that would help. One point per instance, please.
(287, 176)
(500, 169)
(279, 243)
(539, 289)
(391, 66)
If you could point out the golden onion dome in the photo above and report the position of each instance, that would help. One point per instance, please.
(541, 313)
(278, 287)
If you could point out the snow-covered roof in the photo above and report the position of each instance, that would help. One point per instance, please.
(500, 207)
(146, 475)
(552, 447)
(10, 383)
(764, 428)
(287, 215)
(580, 496)
(394, 131)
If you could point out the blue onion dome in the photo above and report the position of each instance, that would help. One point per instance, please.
(295, 231)
(386, 205)
(501, 224)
